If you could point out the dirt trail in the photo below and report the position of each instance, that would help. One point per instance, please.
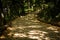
(29, 28)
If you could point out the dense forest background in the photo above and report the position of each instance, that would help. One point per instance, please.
(47, 11)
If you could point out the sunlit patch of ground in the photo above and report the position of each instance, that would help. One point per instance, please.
(54, 29)
(34, 26)
(9, 28)
(10, 34)
(2, 37)
(36, 34)
(19, 35)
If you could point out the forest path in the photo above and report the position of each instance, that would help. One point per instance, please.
(29, 28)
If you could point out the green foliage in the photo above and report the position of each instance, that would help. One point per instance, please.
(15, 8)
(50, 12)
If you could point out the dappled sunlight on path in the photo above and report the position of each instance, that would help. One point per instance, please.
(31, 29)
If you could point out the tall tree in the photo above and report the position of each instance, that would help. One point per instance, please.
(1, 10)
